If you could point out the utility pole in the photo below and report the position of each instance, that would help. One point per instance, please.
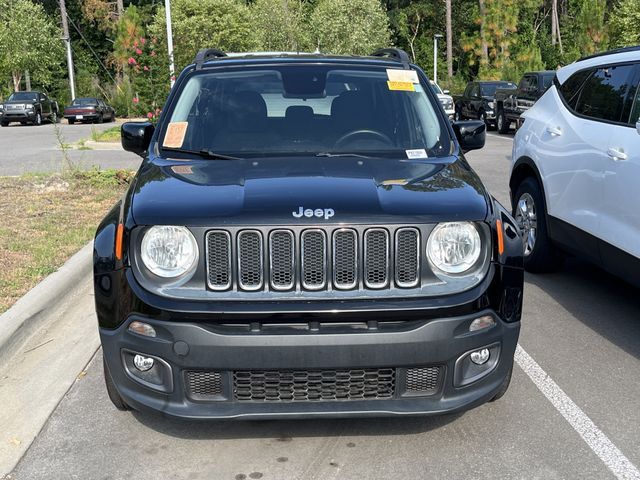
(449, 40)
(167, 10)
(67, 41)
(436, 37)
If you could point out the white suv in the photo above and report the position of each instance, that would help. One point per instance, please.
(575, 178)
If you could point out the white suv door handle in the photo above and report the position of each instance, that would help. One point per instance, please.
(555, 131)
(617, 154)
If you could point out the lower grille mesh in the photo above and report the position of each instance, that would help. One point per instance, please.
(423, 379)
(309, 385)
(203, 385)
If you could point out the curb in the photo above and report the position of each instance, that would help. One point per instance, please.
(104, 145)
(30, 311)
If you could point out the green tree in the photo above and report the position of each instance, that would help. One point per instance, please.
(281, 25)
(624, 24)
(30, 41)
(349, 26)
(197, 24)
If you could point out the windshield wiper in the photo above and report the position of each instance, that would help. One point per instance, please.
(208, 154)
(346, 154)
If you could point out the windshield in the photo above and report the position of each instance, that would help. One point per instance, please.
(85, 101)
(293, 109)
(23, 96)
(436, 88)
(489, 89)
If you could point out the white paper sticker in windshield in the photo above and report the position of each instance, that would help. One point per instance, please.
(175, 134)
(419, 153)
(397, 75)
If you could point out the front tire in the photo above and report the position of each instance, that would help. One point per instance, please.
(457, 115)
(38, 120)
(503, 387)
(112, 391)
(502, 124)
(4, 124)
(540, 255)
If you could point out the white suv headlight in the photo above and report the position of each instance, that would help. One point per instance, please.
(454, 247)
(169, 251)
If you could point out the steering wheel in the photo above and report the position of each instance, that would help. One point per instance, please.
(363, 132)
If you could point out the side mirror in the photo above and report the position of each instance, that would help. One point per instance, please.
(136, 136)
(446, 92)
(471, 134)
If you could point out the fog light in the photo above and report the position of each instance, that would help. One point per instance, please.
(479, 357)
(143, 363)
(485, 321)
(142, 328)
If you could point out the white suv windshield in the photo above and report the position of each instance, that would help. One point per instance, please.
(304, 109)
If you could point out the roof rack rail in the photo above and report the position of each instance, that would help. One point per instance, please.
(207, 54)
(394, 53)
(634, 48)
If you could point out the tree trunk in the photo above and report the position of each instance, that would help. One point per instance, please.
(554, 17)
(17, 77)
(449, 40)
(483, 38)
(120, 8)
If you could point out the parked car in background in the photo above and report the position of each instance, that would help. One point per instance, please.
(510, 103)
(28, 107)
(445, 99)
(306, 238)
(576, 167)
(477, 101)
(89, 109)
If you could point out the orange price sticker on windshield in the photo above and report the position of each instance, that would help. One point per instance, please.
(175, 134)
(402, 86)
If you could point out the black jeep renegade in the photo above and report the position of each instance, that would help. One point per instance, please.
(305, 237)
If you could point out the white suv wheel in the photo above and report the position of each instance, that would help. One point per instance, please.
(527, 220)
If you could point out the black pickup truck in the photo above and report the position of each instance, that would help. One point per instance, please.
(477, 100)
(28, 107)
(511, 103)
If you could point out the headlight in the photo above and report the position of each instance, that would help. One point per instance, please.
(454, 247)
(491, 104)
(169, 251)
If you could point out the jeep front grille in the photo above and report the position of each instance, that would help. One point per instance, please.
(313, 259)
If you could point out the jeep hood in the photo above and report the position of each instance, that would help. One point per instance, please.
(270, 190)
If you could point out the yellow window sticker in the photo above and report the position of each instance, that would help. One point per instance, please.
(397, 75)
(175, 134)
(402, 86)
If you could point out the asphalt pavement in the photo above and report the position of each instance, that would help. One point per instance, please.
(37, 149)
(572, 411)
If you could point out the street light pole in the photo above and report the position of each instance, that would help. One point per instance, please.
(67, 41)
(167, 10)
(436, 37)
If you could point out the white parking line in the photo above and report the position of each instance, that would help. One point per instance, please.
(611, 455)
(501, 137)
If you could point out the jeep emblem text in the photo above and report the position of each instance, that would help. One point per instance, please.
(325, 213)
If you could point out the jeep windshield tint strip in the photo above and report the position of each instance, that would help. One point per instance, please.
(304, 109)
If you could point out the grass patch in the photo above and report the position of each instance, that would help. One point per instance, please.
(46, 219)
(109, 135)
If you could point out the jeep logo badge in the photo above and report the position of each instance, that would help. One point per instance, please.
(325, 213)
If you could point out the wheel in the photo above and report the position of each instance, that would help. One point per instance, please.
(483, 117)
(71, 122)
(503, 387)
(112, 391)
(54, 117)
(38, 119)
(502, 124)
(540, 255)
(4, 124)
(457, 116)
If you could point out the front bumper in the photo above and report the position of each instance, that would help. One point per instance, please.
(17, 116)
(183, 346)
